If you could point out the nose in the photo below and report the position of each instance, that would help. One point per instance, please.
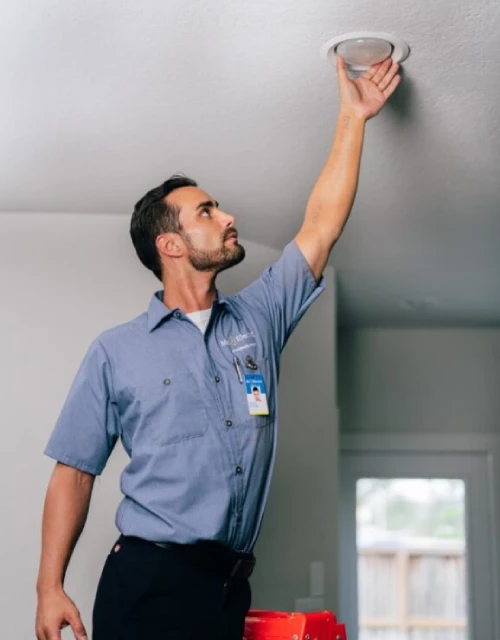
(229, 220)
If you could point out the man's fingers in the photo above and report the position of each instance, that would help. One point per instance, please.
(392, 87)
(56, 612)
(77, 626)
(40, 634)
(387, 79)
(341, 68)
(381, 71)
(51, 633)
(371, 71)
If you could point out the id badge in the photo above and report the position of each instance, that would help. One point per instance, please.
(256, 394)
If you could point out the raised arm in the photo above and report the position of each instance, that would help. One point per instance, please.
(332, 197)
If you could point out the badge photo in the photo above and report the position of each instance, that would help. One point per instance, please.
(256, 395)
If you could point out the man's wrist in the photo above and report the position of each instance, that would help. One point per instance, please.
(349, 114)
(46, 587)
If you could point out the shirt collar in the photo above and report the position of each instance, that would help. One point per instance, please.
(158, 311)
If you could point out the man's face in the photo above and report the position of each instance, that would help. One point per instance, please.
(209, 234)
(256, 395)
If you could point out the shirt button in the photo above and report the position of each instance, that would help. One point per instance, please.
(217, 379)
(177, 314)
(229, 423)
(239, 470)
(166, 381)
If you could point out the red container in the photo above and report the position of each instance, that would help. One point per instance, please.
(277, 625)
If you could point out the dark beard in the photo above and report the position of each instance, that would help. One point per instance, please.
(216, 260)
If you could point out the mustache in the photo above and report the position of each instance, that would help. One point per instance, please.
(230, 232)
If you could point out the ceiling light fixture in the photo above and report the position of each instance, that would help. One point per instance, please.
(362, 49)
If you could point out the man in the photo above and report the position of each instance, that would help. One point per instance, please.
(172, 385)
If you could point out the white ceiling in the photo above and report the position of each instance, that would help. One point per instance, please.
(102, 100)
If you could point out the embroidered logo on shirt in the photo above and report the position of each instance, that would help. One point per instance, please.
(234, 340)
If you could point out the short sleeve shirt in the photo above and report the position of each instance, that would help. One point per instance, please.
(199, 464)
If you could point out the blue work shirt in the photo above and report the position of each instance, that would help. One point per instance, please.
(200, 464)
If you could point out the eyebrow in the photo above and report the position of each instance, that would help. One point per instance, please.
(209, 204)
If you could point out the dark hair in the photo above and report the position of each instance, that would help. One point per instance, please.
(152, 216)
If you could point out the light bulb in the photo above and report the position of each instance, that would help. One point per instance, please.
(362, 53)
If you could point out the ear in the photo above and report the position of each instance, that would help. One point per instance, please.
(170, 245)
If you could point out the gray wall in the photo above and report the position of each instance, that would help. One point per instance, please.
(65, 278)
(426, 390)
(300, 524)
(419, 380)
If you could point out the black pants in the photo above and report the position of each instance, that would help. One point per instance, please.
(149, 593)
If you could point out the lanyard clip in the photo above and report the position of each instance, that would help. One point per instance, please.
(251, 364)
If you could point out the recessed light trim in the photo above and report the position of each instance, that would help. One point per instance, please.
(400, 50)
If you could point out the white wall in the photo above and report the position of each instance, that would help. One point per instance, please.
(65, 278)
(414, 380)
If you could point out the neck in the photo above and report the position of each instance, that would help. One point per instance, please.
(192, 292)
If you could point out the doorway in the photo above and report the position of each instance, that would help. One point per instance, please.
(416, 546)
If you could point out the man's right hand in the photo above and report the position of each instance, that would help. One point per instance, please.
(56, 611)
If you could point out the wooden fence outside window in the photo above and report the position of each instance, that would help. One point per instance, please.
(412, 594)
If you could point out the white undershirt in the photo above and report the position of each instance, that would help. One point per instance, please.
(200, 318)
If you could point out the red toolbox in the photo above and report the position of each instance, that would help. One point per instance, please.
(277, 625)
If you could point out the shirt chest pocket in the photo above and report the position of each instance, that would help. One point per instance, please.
(171, 410)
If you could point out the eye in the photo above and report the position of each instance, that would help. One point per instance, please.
(206, 213)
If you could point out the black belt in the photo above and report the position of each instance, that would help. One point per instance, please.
(214, 557)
